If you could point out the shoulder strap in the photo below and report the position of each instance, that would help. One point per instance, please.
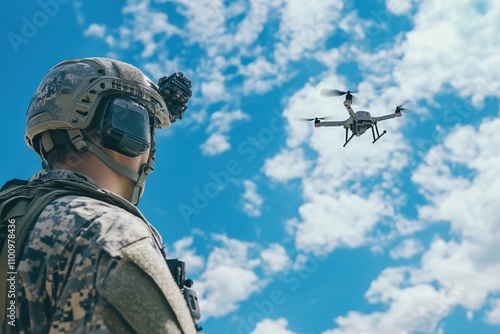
(13, 183)
(20, 205)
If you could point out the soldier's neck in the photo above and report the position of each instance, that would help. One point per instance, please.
(102, 175)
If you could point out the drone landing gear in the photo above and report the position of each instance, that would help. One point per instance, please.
(347, 135)
(378, 135)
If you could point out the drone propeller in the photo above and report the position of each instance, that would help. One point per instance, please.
(313, 119)
(400, 108)
(329, 92)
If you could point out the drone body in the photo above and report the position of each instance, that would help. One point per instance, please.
(358, 122)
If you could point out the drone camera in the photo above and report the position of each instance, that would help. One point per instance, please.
(176, 91)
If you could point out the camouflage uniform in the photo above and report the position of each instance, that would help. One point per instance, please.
(91, 267)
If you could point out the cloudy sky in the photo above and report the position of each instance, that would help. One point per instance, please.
(283, 230)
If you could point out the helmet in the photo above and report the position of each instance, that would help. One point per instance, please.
(110, 96)
(70, 93)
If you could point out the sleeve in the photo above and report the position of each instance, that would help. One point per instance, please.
(139, 290)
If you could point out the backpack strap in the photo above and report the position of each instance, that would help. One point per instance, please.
(20, 205)
(13, 183)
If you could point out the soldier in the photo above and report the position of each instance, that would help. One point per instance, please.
(92, 263)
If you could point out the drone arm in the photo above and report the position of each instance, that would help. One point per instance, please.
(330, 123)
(385, 117)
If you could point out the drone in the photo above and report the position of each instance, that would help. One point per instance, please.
(358, 122)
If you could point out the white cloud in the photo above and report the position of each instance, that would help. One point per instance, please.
(287, 165)
(459, 178)
(470, 262)
(261, 75)
(230, 274)
(195, 118)
(473, 190)
(269, 326)
(448, 42)
(206, 25)
(252, 25)
(276, 259)
(162, 66)
(213, 90)
(98, 30)
(221, 121)
(251, 200)
(353, 24)
(229, 277)
(412, 308)
(141, 24)
(341, 220)
(215, 144)
(147, 26)
(399, 7)
(493, 315)
(182, 250)
(304, 24)
(406, 249)
(77, 8)
(220, 125)
(303, 27)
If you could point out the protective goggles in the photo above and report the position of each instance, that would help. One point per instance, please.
(126, 126)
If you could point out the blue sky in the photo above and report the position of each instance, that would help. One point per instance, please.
(283, 230)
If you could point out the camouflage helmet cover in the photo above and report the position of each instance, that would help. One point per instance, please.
(69, 94)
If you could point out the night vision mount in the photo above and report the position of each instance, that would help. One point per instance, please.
(176, 91)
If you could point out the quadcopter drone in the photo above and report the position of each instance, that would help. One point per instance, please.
(359, 121)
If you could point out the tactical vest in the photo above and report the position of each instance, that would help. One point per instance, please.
(21, 202)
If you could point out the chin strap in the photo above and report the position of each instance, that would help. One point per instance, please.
(146, 169)
(139, 179)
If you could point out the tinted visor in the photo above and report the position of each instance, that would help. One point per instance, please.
(126, 127)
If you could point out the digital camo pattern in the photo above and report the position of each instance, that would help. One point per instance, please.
(75, 244)
(50, 174)
(55, 95)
